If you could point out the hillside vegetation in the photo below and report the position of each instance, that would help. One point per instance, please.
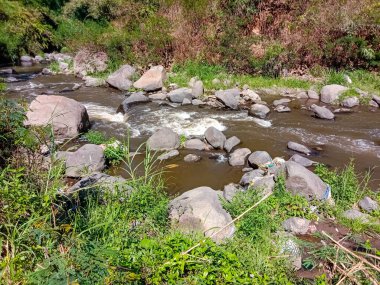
(242, 35)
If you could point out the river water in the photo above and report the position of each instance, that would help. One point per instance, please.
(351, 136)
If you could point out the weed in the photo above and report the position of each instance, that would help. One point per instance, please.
(95, 137)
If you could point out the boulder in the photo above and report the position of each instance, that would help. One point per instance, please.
(283, 101)
(230, 97)
(259, 110)
(322, 112)
(302, 160)
(122, 78)
(251, 176)
(164, 139)
(192, 158)
(369, 205)
(178, 95)
(354, 214)
(230, 190)
(195, 144)
(152, 80)
(303, 182)
(197, 89)
(135, 98)
(230, 143)
(265, 184)
(47, 71)
(312, 94)
(376, 98)
(26, 58)
(200, 210)
(249, 94)
(330, 93)
(373, 103)
(67, 117)
(86, 160)
(238, 157)
(215, 137)
(297, 226)
(197, 102)
(169, 154)
(86, 62)
(258, 158)
(186, 101)
(299, 148)
(282, 109)
(350, 102)
(158, 96)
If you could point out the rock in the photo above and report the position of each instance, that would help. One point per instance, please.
(38, 58)
(249, 94)
(10, 79)
(76, 86)
(265, 184)
(93, 81)
(192, 81)
(247, 169)
(302, 160)
(322, 112)
(297, 226)
(195, 144)
(373, 103)
(299, 148)
(158, 96)
(86, 160)
(215, 137)
(135, 98)
(368, 204)
(281, 102)
(350, 102)
(258, 158)
(192, 158)
(282, 109)
(86, 62)
(197, 102)
(99, 180)
(122, 78)
(354, 214)
(230, 190)
(47, 71)
(177, 95)
(312, 94)
(376, 98)
(170, 154)
(330, 93)
(6, 71)
(259, 110)
(200, 210)
(164, 139)
(186, 101)
(290, 248)
(250, 176)
(302, 95)
(26, 58)
(67, 117)
(215, 81)
(230, 97)
(230, 143)
(63, 66)
(152, 80)
(303, 182)
(238, 157)
(342, 110)
(197, 89)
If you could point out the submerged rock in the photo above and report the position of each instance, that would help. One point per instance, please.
(67, 117)
(167, 155)
(200, 210)
(215, 137)
(152, 80)
(164, 139)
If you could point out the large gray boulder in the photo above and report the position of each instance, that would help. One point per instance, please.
(200, 210)
(297, 226)
(258, 158)
(230, 97)
(86, 160)
(86, 62)
(215, 137)
(67, 117)
(299, 148)
(322, 112)
(302, 160)
(122, 78)
(164, 139)
(259, 110)
(330, 93)
(178, 95)
(133, 99)
(195, 144)
(369, 205)
(152, 80)
(251, 176)
(238, 157)
(350, 102)
(265, 184)
(303, 182)
(230, 143)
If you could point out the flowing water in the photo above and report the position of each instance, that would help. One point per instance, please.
(351, 136)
